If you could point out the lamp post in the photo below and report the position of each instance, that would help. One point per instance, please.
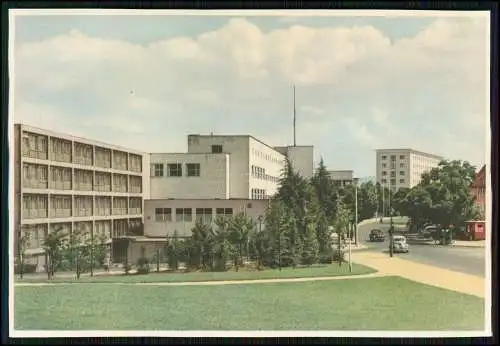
(330, 229)
(391, 226)
(356, 212)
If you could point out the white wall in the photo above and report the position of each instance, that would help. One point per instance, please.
(212, 182)
(302, 160)
(238, 148)
(412, 165)
(271, 161)
(153, 228)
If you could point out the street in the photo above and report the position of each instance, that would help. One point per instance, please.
(461, 259)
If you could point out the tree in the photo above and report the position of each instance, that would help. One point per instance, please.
(240, 227)
(279, 222)
(21, 252)
(223, 248)
(173, 250)
(367, 201)
(310, 246)
(341, 224)
(53, 245)
(202, 241)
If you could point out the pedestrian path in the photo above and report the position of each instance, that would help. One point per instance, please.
(214, 283)
(422, 273)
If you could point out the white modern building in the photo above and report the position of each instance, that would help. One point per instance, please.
(164, 217)
(224, 166)
(403, 168)
(342, 178)
(75, 184)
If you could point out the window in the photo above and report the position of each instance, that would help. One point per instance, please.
(204, 215)
(402, 165)
(384, 157)
(393, 174)
(384, 165)
(158, 170)
(193, 169)
(393, 157)
(174, 169)
(217, 149)
(384, 181)
(393, 165)
(401, 181)
(401, 157)
(401, 172)
(163, 214)
(224, 211)
(384, 173)
(183, 214)
(393, 182)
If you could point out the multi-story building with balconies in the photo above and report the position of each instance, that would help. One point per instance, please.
(75, 184)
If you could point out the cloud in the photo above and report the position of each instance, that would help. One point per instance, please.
(353, 84)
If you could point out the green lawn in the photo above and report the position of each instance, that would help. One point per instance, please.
(313, 271)
(385, 303)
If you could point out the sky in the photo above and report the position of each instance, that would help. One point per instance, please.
(362, 82)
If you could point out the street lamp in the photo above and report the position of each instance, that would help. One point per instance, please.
(356, 212)
(330, 229)
(391, 226)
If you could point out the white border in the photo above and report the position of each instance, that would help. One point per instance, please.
(245, 13)
(293, 13)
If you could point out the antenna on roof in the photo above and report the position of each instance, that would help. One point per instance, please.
(294, 119)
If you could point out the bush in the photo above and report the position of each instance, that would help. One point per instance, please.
(27, 268)
(142, 266)
(127, 267)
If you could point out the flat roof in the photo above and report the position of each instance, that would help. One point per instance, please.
(423, 153)
(188, 153)
(251, 137)
(70, 137)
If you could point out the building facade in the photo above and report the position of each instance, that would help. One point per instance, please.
(224, 166)
(75, 184)
(342, 178)
(164, 217)
(403, 168)
(478, 190)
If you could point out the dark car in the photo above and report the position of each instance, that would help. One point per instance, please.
(377, 235)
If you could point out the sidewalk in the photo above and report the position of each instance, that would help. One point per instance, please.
(422, 273)
(463, 243)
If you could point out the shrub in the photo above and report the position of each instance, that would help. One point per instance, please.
(127, 267)
(142, 266)
(27, 268)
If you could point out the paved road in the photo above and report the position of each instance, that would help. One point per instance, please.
(461, 259)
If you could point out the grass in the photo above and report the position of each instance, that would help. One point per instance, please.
(383, 303)
(313, 271)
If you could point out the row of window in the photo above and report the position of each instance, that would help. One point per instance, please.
(186, 214)
(393, 174)
(268, 157)
(393, 157)
(34, 144)
(175, 170)
(393, 181)
(260, 173)
(393, 165)
(259, 194)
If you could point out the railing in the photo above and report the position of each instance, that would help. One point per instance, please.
(119, 211)
(34, 213)
(59, 213)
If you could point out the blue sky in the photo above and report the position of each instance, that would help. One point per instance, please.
(363, 83)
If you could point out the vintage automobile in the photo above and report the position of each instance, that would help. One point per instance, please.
(377, 235)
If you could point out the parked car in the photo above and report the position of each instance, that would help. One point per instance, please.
(399, 244)
(377, 235)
